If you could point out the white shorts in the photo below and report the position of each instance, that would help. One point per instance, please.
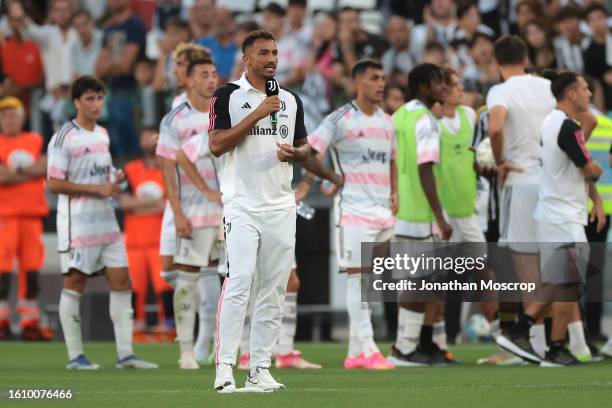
(562, 262)
(399, 246)
(93, 260)
(167, 241)
(516, 223)
(466, 229)
(196, 251)
(349, 239)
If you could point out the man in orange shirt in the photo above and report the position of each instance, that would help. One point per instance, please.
(143, 208)
(23, 206)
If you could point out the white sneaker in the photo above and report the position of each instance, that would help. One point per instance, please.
(188, 362)
(135, 362)
(82, 363)
(260, 377)
(224, 379)
(606, 350)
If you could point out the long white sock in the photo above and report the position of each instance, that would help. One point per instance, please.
(184, 309)
(577, 342)
(122, 316)
(210, 290)
(354, 346)
(439, 334)
(408, 330)
(287, 332)
(70, 318)
(537, 334)
(359, 314)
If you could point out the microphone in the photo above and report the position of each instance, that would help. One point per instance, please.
(272, 90)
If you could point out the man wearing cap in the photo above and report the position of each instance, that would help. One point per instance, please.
(22, 194)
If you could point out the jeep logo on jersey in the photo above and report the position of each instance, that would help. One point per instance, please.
(257, 130)
(284, 131)
(373, 155)
(100, 170)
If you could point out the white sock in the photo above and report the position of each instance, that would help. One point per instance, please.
(439, 334)
(577, 342)
(408, 330)
(184, 309)
(354, 346)
(537, 334)
(70, 318)
(359, 314)
(210, 290)
(287, 332)
(122, 316)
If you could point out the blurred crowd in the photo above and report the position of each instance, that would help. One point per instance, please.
(129, 44)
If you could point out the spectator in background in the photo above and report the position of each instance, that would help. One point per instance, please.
(569, 43)
(468, 25)
(482, 72)
(434, 54)
(598, 56)
(85, 50)
(440, 26)
(221, 44)
(292, 52)
(202, 18)
(123, 45)
(296, 21)
(539, 45)
(398, 60)
(21, 61)
(55, 41)
(526, 11)
(242, 30)
(354, 43)
(176, 32)
(143, 73)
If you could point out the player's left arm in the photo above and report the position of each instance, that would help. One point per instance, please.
(597, 212)
(131, 203)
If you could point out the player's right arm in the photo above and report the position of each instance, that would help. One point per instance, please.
(223, 137)
(167, 148)
(186, 157)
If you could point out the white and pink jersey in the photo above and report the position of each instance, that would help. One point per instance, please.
(179, 126)
(82, 157)
(179, 99)
(362, 147)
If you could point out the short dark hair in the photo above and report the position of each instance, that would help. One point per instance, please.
(434, 46)
(568, 12)
(80, 12)
(298, 3)
(560, 81)
(480, 36)
(423, 75)
(254, 36)
(362, 66)
(276, 9)
(177, 22)
(200, 61)
(348, 8)
(248, 26)
(85, 84)
(510, 50)
(464, 7)
(394, 85)
(595, 7)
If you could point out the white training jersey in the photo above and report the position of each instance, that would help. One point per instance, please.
(528, 99)
(362, 147)
(177, 128)
(252, 177)
(82, 157)
(563, 190)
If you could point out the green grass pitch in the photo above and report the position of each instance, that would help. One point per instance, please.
(32, 366)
